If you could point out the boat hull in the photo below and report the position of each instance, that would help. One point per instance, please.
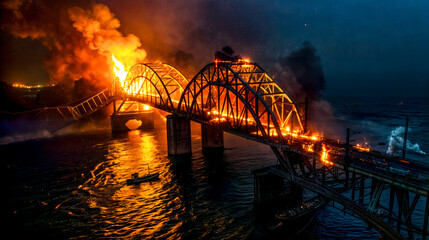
(146, 178)
(299, 219)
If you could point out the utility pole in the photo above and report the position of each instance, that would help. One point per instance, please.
(404, 146)
(305, 115)
(347, 158)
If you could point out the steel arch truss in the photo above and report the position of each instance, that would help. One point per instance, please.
(240, 98)
(279, 101)
(156, 84)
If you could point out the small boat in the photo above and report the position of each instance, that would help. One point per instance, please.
(296, 219)
(301, 211)
(135, 179)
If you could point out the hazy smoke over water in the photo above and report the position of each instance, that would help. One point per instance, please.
(9, 139)
(396, 142)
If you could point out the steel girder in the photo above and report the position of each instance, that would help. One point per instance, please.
(157, 84)
(282, 105)
(240, 97)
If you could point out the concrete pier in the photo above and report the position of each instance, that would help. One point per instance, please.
(178, 135)
(212, 138)
(273, 191)
(122, 122)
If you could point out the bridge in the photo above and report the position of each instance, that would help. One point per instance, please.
(242, 99)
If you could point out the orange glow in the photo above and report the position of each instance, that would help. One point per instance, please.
(286, 131)
(163, 117)
(223, 116)
(19, 85)
(307, 141)
(121, 73)
(312, 137)
(245, 61)
(325, 157)
(359, 147)
(146, 107)
(308, 147)
(119, 70)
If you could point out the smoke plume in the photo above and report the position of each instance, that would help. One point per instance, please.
(396, 143)
(81, 37)
(301, 75)
(304, 72)
(99, 27)
(227, 54)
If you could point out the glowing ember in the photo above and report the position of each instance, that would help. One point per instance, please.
(308, 147)
(245, 61)
(361, 148)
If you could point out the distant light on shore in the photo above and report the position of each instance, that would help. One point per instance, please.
(19, 85)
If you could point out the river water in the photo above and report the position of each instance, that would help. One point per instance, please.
(72, 185)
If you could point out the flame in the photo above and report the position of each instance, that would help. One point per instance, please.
(308, 147)
(307, 141)
(244, 60)
(121, 74)
(325, 156)
(119, 70)
(361, 148)
(285, 131)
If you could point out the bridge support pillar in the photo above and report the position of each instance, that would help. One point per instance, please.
(274, 191)
(212, 138)
(178, 135)
(123, 121)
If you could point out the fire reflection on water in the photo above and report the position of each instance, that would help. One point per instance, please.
(197, 197)
(122, 210)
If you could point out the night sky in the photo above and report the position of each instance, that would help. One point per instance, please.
(366, 47)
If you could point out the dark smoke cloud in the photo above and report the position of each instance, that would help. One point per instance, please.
(166, 30)
(184, 62)
(68, 58)
(227, 54)
(301, 75)
(197, 27)
(80, 37)
(307, 71)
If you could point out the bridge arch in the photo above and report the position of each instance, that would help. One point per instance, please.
(156, 84)
(282, 105)
(220, 93)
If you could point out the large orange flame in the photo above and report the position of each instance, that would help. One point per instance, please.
(119, 70)
(121, 74)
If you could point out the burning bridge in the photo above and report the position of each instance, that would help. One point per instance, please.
(242, 99)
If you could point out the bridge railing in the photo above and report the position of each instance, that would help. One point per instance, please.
(58, 117)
